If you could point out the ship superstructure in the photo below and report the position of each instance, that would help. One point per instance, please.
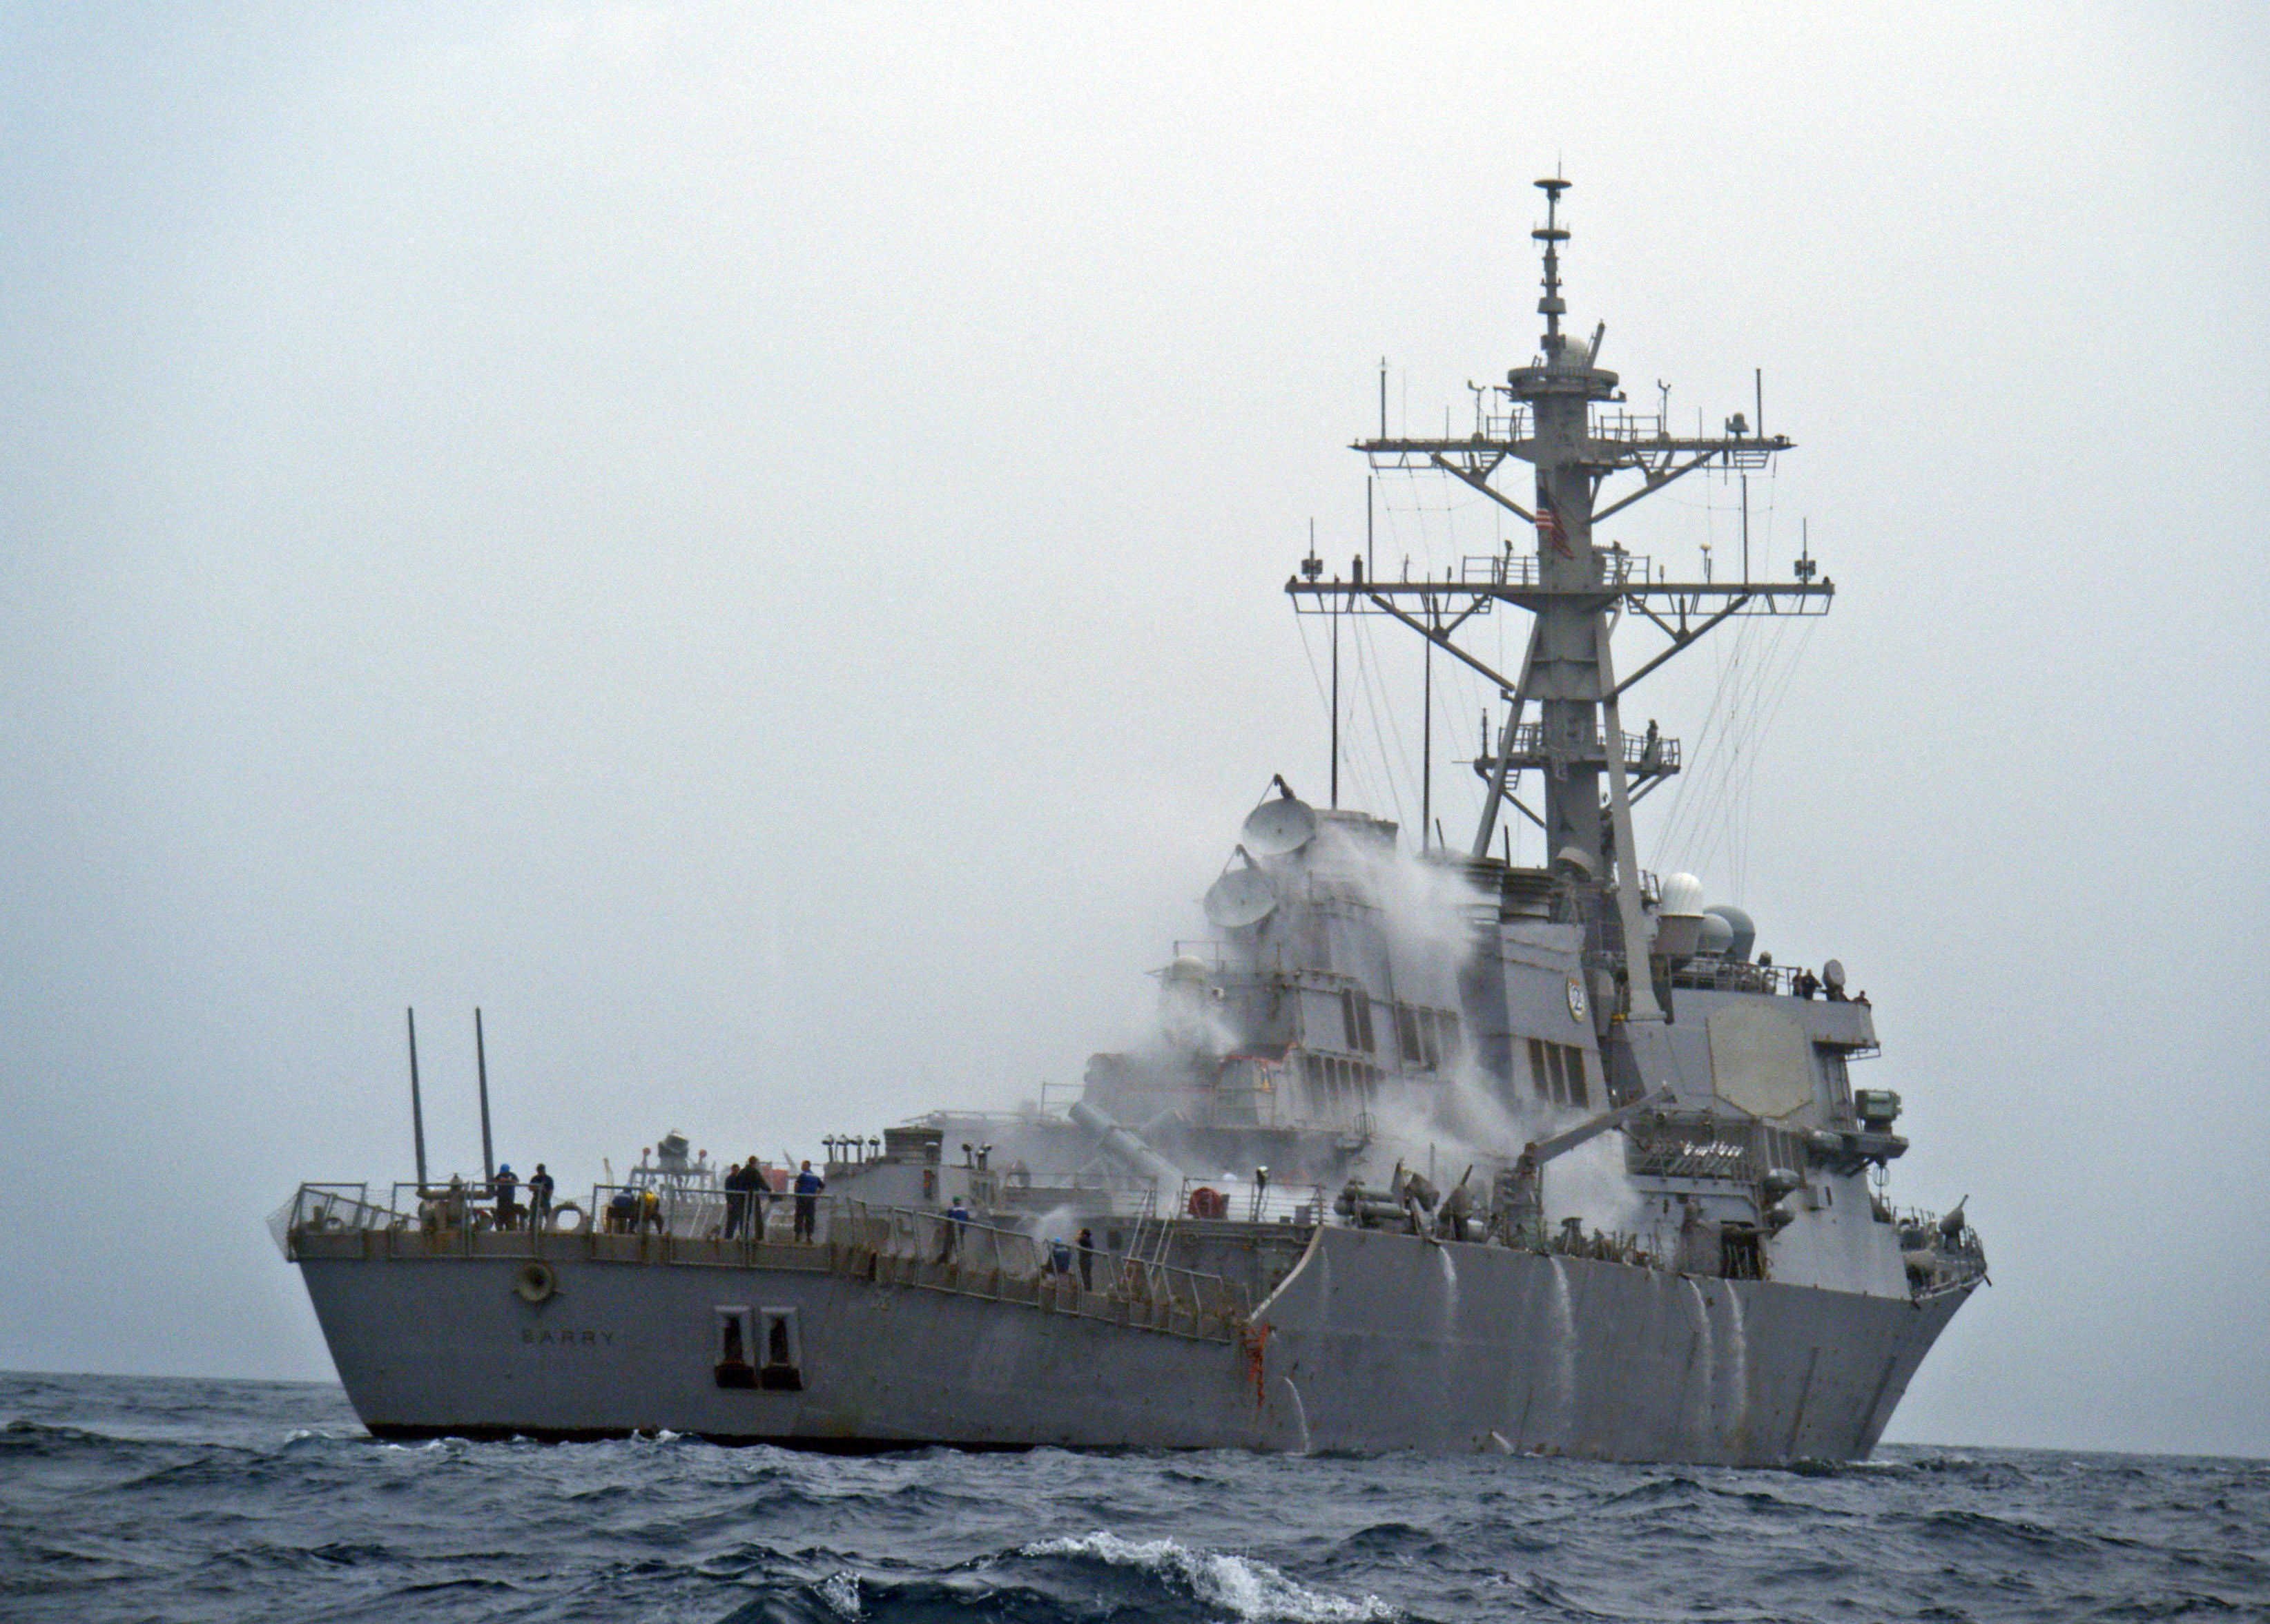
(1429, 1150)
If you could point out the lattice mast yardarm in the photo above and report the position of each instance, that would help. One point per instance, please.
(1565, 416)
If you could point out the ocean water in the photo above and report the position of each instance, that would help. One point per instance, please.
(125, 1499)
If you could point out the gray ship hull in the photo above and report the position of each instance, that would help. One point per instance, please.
(1374, 1341)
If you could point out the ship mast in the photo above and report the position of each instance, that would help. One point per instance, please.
(1565, 416)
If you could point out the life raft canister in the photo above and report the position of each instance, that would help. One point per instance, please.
(1207, 1202)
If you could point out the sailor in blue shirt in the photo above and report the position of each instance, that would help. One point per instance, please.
(808, 1186)
(956, 1216)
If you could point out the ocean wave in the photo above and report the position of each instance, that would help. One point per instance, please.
(1248, 1588)
(1677, 1490)
(1392, 1542)
(207, 1502)
(2007, 1532)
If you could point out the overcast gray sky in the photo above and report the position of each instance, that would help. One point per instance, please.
(746, 541)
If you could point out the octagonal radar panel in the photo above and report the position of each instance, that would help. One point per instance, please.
(1832, 974)
(1276, 827)
(1242, 896)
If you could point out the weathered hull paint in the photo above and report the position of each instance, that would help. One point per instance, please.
(1375, 1342)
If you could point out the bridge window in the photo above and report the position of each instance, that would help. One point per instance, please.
(1355, 1017)
(1407, 1035)
(1556, 1072)
(1337, 1086)
(1425, 1037)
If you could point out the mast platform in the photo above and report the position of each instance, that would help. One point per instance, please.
(1646, 756)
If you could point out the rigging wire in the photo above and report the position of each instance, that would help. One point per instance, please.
(1366, 660)
(1364, 780)
(1699, 823)
(1323, 695)
(1714, 810)
(1767, 714)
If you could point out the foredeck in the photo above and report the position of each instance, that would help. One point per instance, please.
(882, 1246)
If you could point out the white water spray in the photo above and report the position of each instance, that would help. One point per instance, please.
(1299, 1413)
(1737, 1352)
(1704, 1377)
(1563, 1352)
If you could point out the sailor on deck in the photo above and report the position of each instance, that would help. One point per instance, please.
(743, 1207)
(808, 1186)
(622, 1212)
(957, 1217)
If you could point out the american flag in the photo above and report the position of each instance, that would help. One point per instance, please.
(1549, 529)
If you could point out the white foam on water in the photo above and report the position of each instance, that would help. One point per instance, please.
(840, 1592)
(1245, 1588)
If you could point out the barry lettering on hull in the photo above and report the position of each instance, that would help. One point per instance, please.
(1738, 1287)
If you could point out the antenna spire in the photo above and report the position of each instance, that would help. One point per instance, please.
(1552, 234)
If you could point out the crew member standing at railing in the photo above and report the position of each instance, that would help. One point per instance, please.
(508, 1185)
(736, 1200)
(744, 1206)
(950, 1240)
(808, 1186)
(539, 1196)
(1087, 1245)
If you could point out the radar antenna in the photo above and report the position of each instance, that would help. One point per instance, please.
(1568, 417)
(1552, 306)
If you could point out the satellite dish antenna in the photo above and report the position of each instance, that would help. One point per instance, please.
(1743, 928)
(1276, 827)
(1833, 974)
(1241, 896)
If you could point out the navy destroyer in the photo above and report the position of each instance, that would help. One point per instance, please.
(1431, 1151)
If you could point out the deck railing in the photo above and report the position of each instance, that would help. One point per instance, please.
(1238, 1201)
(896, 1244)
(925, 1248)
(1641, 753)
(1520, 568)
(972, 1258)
